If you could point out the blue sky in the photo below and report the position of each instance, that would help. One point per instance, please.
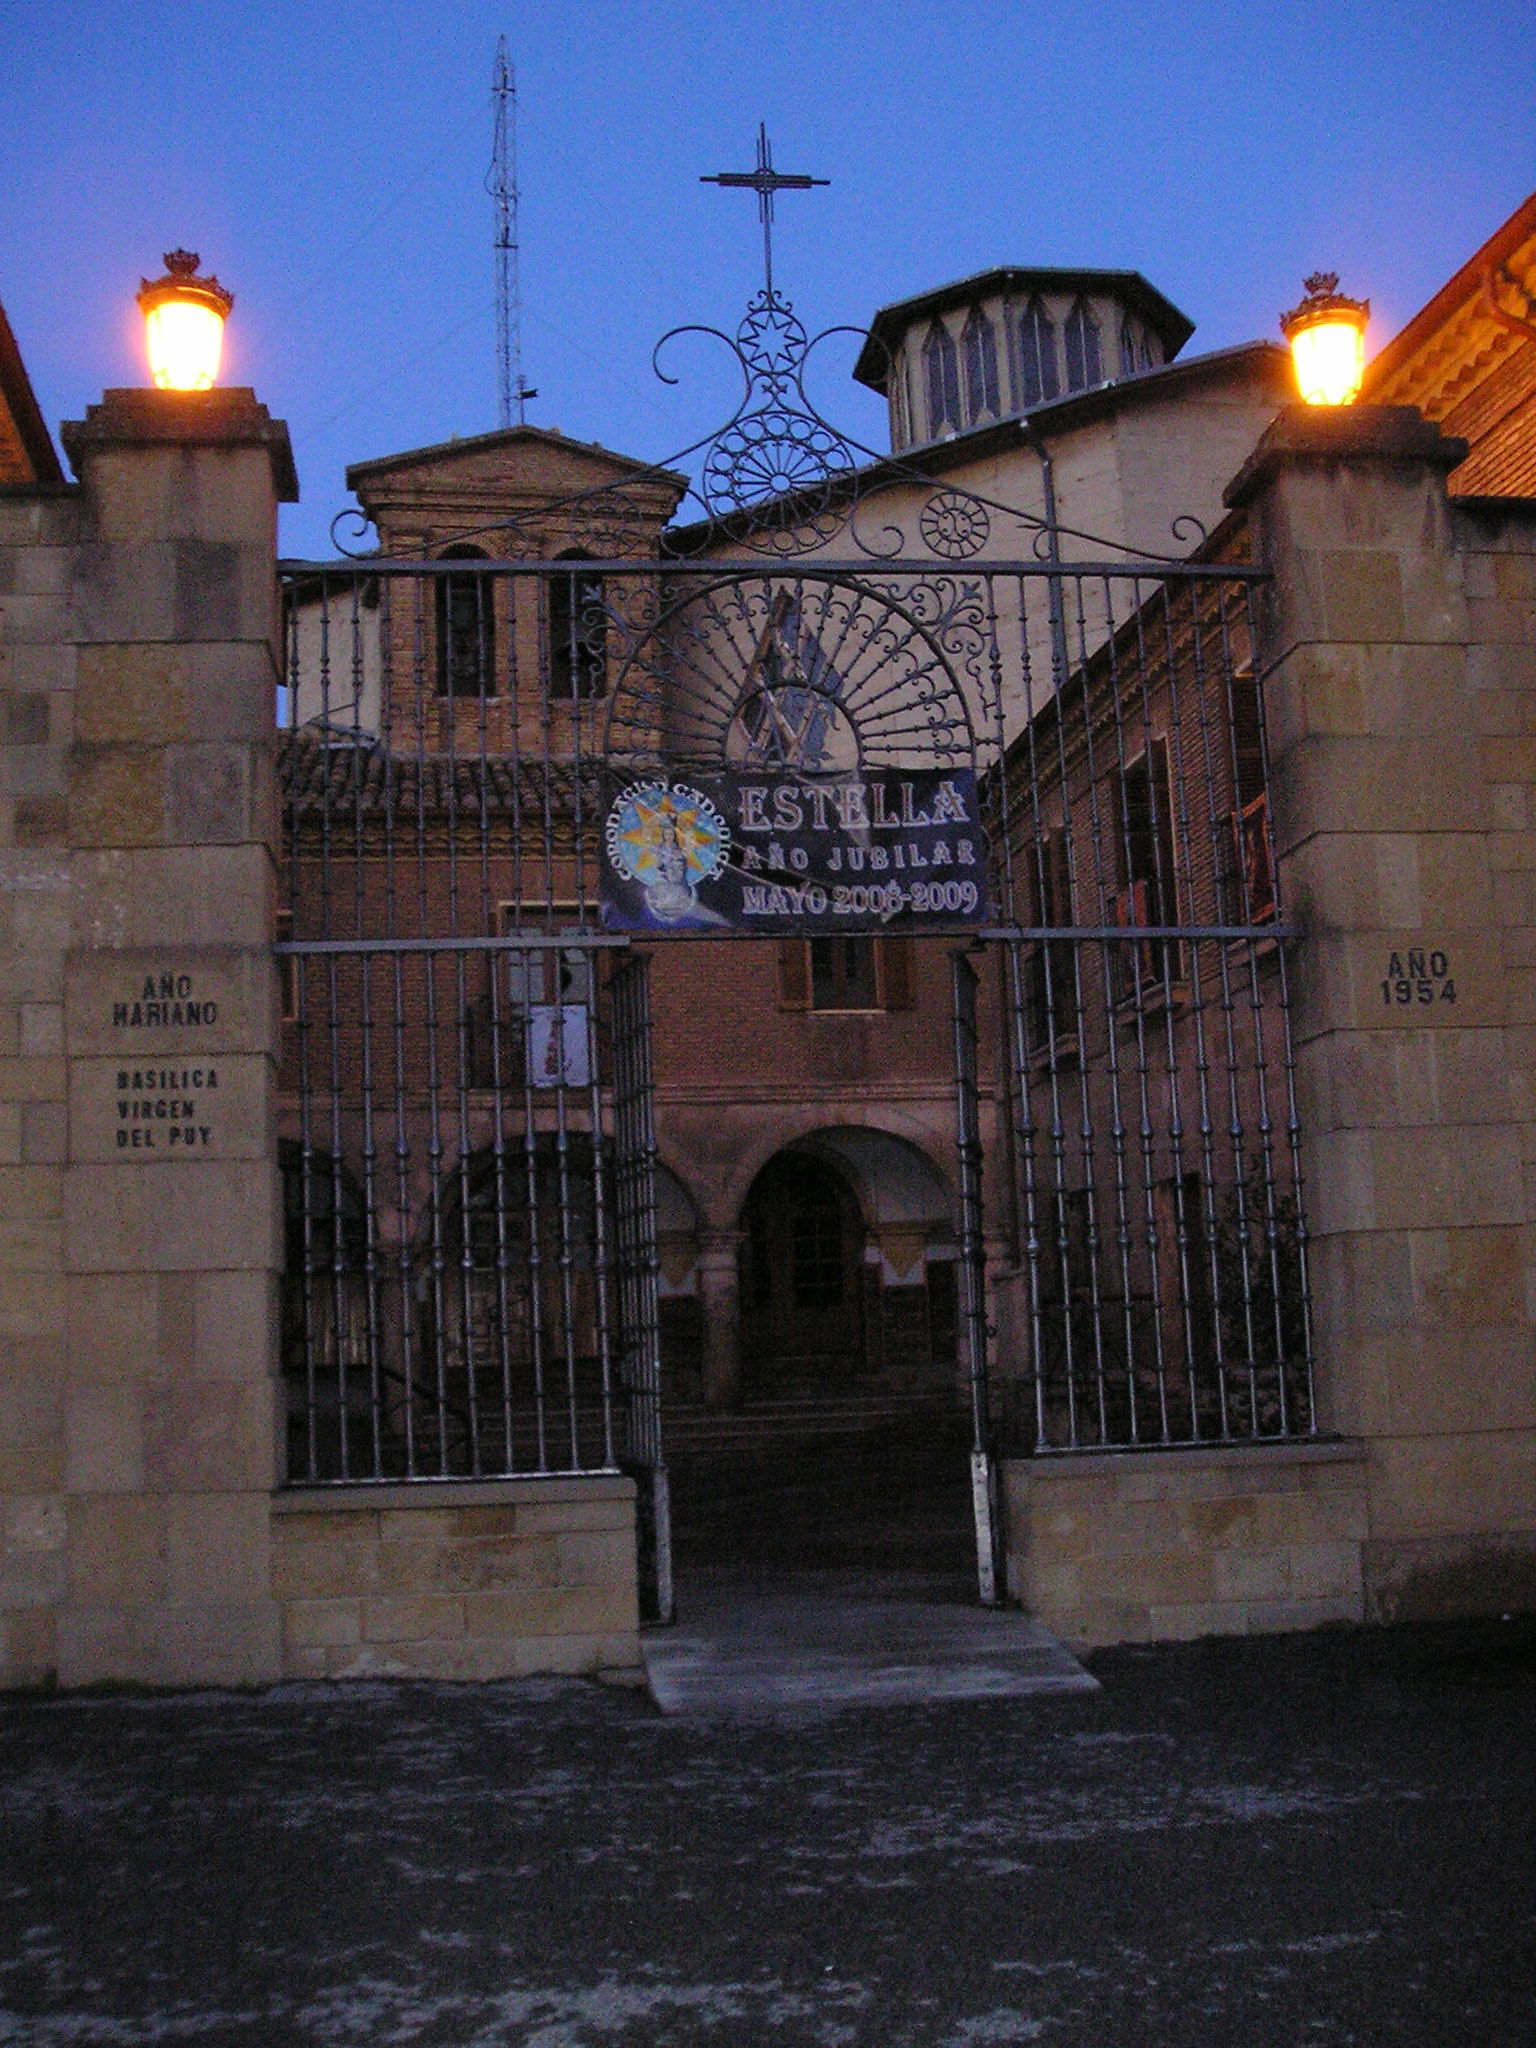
(329, 163)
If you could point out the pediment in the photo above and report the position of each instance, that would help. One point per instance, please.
(522, 466)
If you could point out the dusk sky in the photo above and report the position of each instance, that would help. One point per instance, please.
(329, 164)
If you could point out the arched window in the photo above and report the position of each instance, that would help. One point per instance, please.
(1081, 334)
(466, 629)
(1035, 375)
(578, 647)
(941, 371)
(979, 345)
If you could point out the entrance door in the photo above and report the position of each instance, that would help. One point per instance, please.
(805, 1268)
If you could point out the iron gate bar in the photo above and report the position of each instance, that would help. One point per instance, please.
(1258, 934)
(816, 568)
(565, 942)
(638, 1268)
(973, 1270)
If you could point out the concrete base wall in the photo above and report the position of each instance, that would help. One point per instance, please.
(1146, 1546)
(498, 1579)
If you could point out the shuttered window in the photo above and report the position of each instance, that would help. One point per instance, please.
(855, 972)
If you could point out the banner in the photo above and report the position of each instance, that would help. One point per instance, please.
(892, 848)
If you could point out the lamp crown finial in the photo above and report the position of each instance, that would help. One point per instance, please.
(1321, 282)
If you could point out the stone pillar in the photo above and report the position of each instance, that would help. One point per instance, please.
(37, 535)
(1385, 796)
(171, 1214)
(720, 1299)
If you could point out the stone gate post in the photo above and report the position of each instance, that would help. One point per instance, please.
(153, 1451)
(1392, 763)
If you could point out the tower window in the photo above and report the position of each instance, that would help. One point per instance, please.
(1084, 365)
(1035, 375)
(578, 649)
(466, 629)
(980, 348)
(941, 370)
(1127, 349)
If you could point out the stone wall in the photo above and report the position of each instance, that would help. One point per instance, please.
(1147, 1546)
(38, 529)
(143, 1537)
(491, 1580)
(137, 1387)
(1398, 657)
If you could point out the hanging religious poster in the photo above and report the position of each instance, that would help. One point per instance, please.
(890, 848)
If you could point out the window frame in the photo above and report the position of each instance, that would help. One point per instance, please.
(1083, 348)
(978, 348)
(894, 976)
(576, 608)
(1148, 890)
(1049, 993)
(1128, 351)
(941, 381)
(844, 986)
(477, 682)
(1036, 371)
(1246, 882)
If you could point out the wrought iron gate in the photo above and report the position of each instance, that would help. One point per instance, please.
(857, 704)
(1147, 1268)
(467, 1140)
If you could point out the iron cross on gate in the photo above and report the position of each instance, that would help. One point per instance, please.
(765, 181)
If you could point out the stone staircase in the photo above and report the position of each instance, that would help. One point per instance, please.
(816, 1478)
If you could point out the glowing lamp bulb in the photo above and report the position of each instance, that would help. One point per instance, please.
(184, 317)
(1327, 337)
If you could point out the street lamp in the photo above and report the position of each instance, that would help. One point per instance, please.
(1327, 337)
(184, 317)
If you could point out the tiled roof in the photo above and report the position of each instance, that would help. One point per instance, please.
(371, 782)
(1466, 362)
(1503, 465)
(1498, 417)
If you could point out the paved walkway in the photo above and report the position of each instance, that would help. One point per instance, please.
(1303, 1842)
(817, 1643)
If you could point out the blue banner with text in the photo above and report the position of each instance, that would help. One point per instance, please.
(891, 848)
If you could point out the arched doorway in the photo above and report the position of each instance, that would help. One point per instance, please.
(803, 1297)
(846, 1443)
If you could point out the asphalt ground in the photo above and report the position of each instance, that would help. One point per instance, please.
(1317, 1840)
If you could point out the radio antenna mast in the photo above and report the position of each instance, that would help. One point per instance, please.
(501, 183)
